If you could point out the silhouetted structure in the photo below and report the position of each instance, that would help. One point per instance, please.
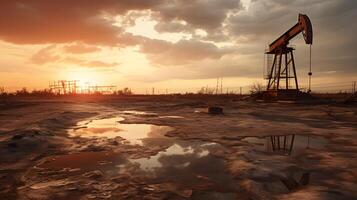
(283, 65)
(73, 87)
(64, 87)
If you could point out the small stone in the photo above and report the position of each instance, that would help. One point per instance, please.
(17, 137)
(215, 110)
(12, 144)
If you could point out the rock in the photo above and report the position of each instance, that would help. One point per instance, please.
(292, 184)
(93, 174)
(215, 110)
(12, 144)
(55, 183)
(17, 137)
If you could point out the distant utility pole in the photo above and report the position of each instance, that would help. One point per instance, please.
(217, 86)
(221, 85)
(240, 90)
(153, 91)
(354, 87)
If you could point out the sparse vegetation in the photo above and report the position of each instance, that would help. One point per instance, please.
(206, 90)
(124, 91)
(256, 88)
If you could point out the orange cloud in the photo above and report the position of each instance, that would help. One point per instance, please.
(80, 49)
(99, 64)
(45, 55)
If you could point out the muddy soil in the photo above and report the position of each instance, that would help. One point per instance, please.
(171, 148)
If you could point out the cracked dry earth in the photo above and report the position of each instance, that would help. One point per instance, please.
(170, 148)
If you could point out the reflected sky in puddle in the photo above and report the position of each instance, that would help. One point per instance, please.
(82, 162)
(191, 164)
(171, 117)
(286, 144)
(140, 113)
(195, 150)
(112, 128)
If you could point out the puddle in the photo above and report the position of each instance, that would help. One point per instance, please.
(82, 162)
(112, 128)
(190, 164)
(141, 113)
(171, 117)
(197, 150)
(287, 144)
(200, 110)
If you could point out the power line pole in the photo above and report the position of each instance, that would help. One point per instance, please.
(221, 85)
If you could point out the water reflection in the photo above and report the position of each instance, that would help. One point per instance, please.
(286, 144)
(189, 164)
(112, 128)
(82, 162)
(139, 113)
(197, 150)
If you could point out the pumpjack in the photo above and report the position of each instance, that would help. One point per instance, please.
(283, 68)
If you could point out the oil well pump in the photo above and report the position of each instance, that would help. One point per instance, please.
(282, 69)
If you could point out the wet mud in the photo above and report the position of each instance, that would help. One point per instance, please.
(172, 149)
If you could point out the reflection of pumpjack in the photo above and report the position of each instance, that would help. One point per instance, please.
(282, 143)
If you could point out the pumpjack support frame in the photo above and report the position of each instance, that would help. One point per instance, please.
(282, 71)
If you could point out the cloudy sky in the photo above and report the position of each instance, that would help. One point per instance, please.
(174, 44)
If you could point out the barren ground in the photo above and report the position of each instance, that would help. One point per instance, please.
(186, 154)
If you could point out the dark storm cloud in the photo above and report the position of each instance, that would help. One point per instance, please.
(61, 21)
(183, 52)
(205, 14)
(272, 17)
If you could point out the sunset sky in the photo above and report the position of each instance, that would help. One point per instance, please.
(174, 44)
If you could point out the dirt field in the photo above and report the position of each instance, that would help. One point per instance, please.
(171, 148)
